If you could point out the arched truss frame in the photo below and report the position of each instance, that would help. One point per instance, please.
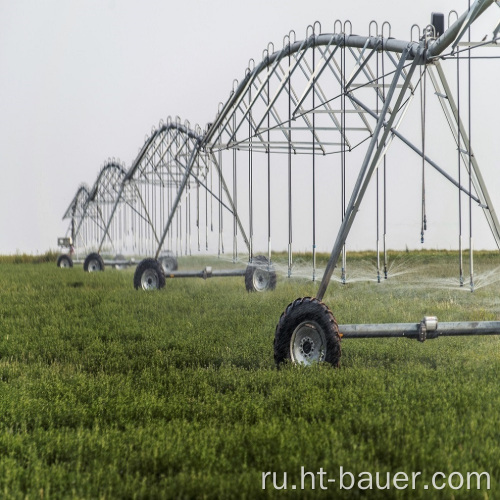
(315, 97)
(89, 209)
(170, 166)
(320, 96)
(76, 212)
(280, 67)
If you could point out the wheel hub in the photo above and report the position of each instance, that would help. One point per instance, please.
(308, 343)
(149, 280)
(260, 279)
(306, 346)
(94, 266)
(166, 264)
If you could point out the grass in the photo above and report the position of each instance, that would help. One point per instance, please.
(23, 258)
(107, 392)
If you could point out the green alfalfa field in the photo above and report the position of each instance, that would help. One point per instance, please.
(108, 392)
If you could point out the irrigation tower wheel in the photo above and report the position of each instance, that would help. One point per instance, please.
(93, 263)
(149, 275)
(260, 275)
(306, 333)
(64, 261)
(168, 261)
(119, 257)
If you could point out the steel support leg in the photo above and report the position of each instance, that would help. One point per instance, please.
(368, 166)
(477, 178)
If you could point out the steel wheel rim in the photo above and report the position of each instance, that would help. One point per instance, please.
(64, 263)
(260, 279)
(308, 344)
(165, 266)
(94, 265)
(149, 280)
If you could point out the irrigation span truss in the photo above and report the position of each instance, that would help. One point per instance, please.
(322, 111)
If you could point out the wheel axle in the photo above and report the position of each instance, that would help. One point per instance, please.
(206, 273)
(307, 332)
(428, 328)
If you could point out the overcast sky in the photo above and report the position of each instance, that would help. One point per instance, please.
(84, 80)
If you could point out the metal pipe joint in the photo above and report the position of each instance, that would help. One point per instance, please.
(427, 325)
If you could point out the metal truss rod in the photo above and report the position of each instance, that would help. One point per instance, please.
(94, 191)
(414, 148)
(340, 77)
(162, 156)
(291, 69)
(238, 95)
(82, 218)
(317, 91)
(189, 167)
(231, 203)
(71, 210)
(273, 112)
(135, 165)
(149, 141)
(352, 41)
(315, 75)
(115, 206)
(148, 217)
(368, 166)
(477, 178)
(206, 188)
(251, 120)
(355, 41)
(96, 220)
(360, 65)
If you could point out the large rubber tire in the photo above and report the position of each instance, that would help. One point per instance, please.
(149, 275)
(93, 263)
(307, 332)
(168, 263)
(260, 275)
(64, 261)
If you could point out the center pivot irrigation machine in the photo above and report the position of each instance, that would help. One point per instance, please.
(296, 115)
(139, 211)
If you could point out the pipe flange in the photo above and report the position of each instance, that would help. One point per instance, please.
(422, 331)
(207, 272)
(428, 328)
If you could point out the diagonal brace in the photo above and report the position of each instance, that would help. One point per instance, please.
(368, 166)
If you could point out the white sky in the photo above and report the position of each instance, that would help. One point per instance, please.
(84, 80)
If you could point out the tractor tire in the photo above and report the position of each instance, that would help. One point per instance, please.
(64, 261)
(307, 333)
(168, 263)
(260, 275)
(93, 263)
(149, 275)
